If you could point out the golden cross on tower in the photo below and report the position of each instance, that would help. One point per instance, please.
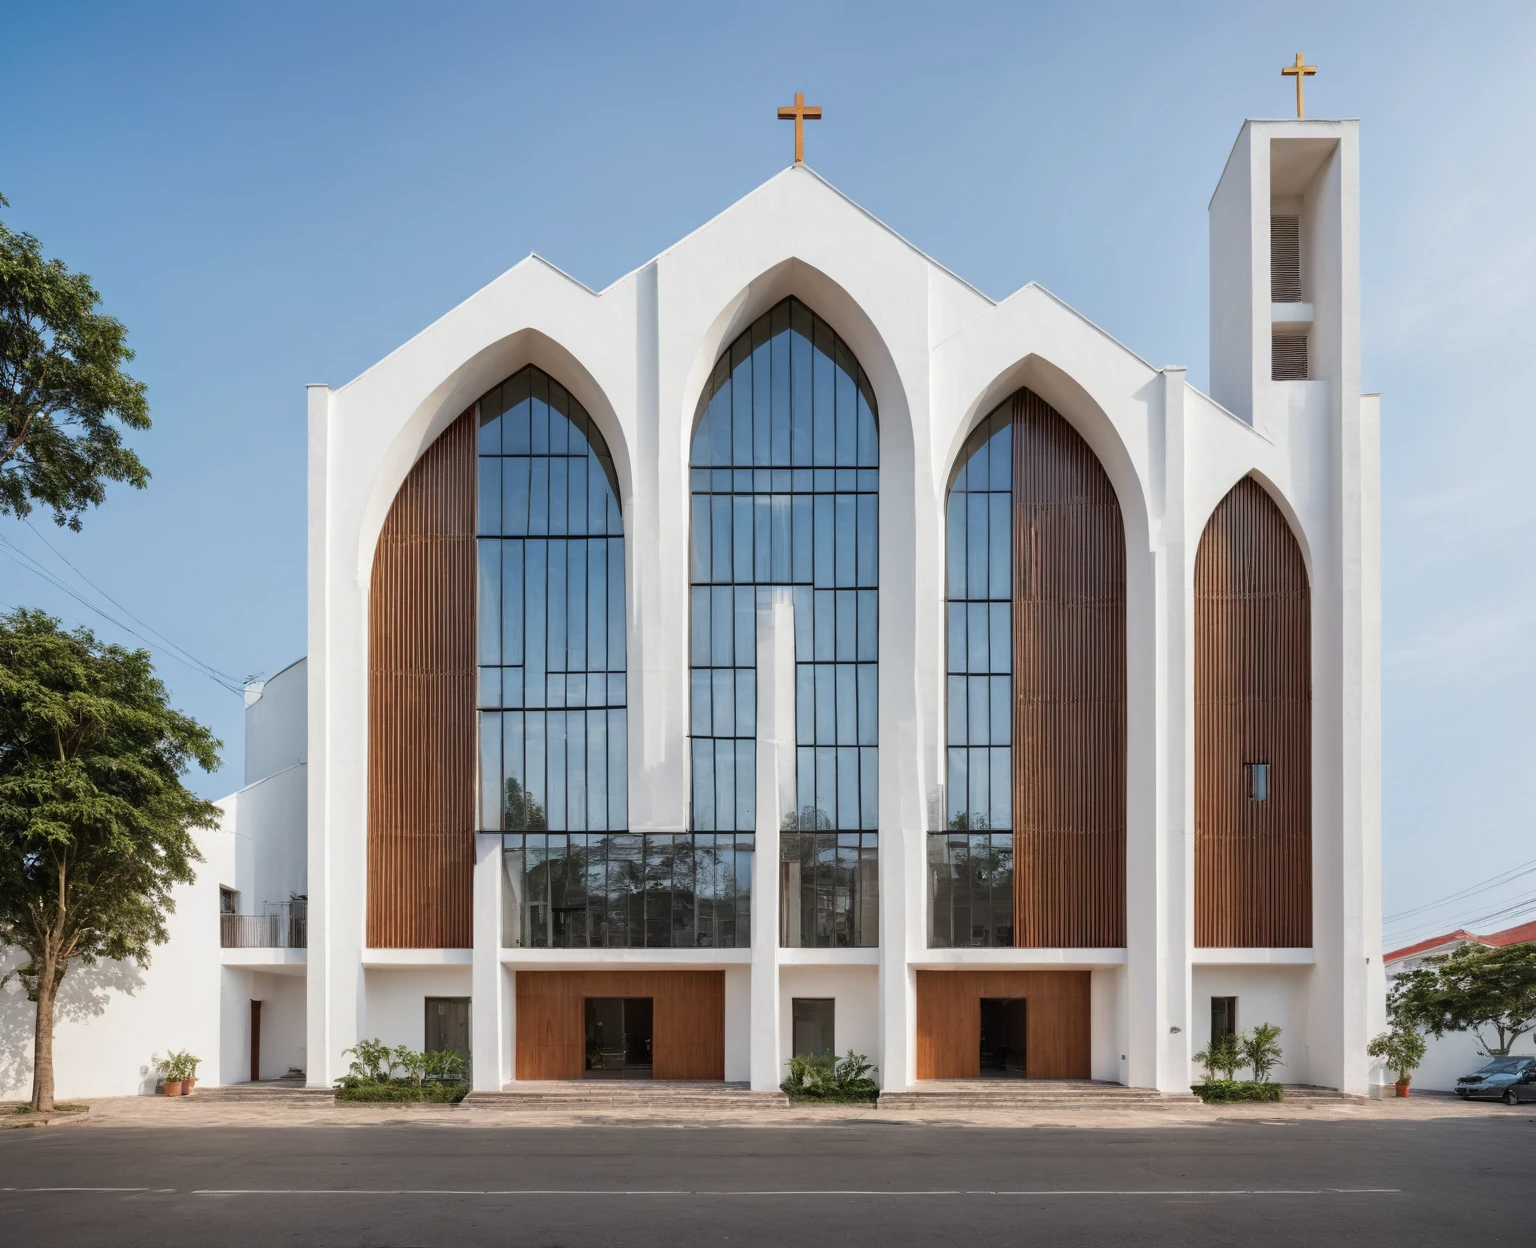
(799, 113)
(1300, 72)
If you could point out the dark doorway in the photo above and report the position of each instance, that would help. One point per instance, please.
(255, 1041)
(1002, 1037)
(618, 1037)
(448, 1026)
(811, 1032)
(1223, 1017)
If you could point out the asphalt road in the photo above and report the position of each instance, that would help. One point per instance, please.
(1390, 1183)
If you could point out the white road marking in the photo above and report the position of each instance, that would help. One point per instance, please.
(799, 1192)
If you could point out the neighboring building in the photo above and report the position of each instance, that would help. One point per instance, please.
(1460, 1052)
(789, 647)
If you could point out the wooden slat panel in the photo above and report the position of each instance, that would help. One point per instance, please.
(1253, 704)
(1057, 1030)
(687, 1028)
(421, 704)
(1069, 688)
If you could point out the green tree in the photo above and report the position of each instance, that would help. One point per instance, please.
(1473, 988)
(95, 823)
(1223, 1055)
(1402, 1049)
(1260, 1048)
(64, 397)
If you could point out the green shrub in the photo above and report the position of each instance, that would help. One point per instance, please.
(827, 1079)
(1222, 1091)
(374, 1063)
(400, 1091)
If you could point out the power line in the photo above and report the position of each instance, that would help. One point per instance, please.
(22, 559)
(1504, 877)
(229, 676)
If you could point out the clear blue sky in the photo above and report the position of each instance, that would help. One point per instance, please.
(269, 195)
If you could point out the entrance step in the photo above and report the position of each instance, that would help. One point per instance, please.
(281, 1091)
(1021, 1094)
(578, 1095)
(1306, 1092)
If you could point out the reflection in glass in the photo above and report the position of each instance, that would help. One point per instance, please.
(829, 890)
(970, 890)
(580, 890)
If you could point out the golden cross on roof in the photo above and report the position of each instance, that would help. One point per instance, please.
(1300, 72)
(799, 113)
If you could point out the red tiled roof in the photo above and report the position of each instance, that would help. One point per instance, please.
(1434, 942)
(1497, 940)
(1512, 935)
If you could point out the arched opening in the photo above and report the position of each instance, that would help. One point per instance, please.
(1253, 728)
(785, 493)
(1033, 852)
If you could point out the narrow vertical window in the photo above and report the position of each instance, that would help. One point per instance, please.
(785, 486)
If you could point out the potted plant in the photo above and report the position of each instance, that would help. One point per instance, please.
(1402, 1049)
(170, 1071)
(189, 1065)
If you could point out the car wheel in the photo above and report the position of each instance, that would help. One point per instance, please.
(1510, 1098)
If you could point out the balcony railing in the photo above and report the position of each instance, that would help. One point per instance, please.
(970, 889)
(263, 931)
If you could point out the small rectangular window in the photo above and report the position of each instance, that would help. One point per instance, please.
(1258, 782)
(1223, 1017)
(229, 900)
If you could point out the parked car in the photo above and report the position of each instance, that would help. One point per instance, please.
(1507, 1079)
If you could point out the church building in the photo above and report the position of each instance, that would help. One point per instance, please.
(791, 648)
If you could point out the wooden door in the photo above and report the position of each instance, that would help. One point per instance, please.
(1055, 1013)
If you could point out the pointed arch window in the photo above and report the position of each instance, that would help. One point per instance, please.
(785, 493)
(1033, 851)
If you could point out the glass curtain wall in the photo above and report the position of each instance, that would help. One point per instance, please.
(970, 861)
(785, 492)
(552, 694)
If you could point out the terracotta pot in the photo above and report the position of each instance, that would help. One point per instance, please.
(187, 1085)
(1402, 1088)
(173, 1087)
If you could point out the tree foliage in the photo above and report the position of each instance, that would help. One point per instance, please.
(1471, 989)
(95, 823)
(1402, 1049)
(1260, 1048)
(64, 397)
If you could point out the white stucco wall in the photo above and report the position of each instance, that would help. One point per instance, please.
(396, 1001)
(1265, 994)
(854, 991)
(114, 1017)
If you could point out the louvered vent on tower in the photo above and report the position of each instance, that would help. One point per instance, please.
(1285, 259)
(1288, 357)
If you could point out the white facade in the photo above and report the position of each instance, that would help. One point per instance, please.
(940, 356)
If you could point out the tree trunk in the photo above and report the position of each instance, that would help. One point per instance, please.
(42, 1047)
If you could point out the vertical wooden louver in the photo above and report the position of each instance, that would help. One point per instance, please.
(421, 704)
(1069, 688)
(1253, 705)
